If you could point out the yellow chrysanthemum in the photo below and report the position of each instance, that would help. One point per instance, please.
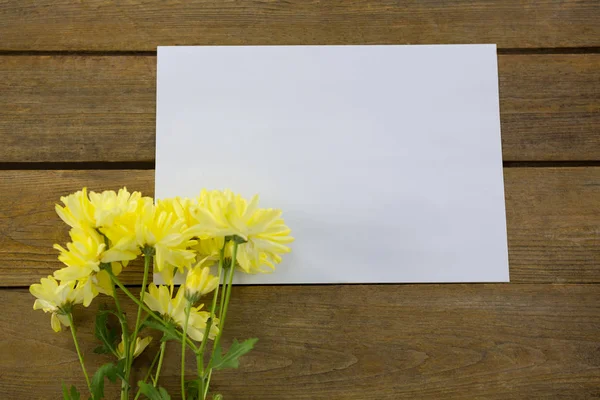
(157, 227)
(97, 210)
(140, 346)
(224, 213)
(57, 299)
(83, 258)
(108, 205)
(98, 282)
(199, 282)
(121, 234)
(165, 233)
(78, 210)
(84, 254)
(182, 207)
(208, 251)
(158, 298)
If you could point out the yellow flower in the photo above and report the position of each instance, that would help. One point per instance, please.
(78, 210)
(96, 283)
(97, 210)
(157, 227)
(164, 232)
(208, 251)
(199, 282)
(121, 233)
(83, 258)
(173, 309)
(108, 205)
(140, 346)
(57, 299)
(226, 214)
(182, 207)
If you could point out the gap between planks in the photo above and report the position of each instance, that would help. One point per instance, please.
(152, 53)
(147, 165)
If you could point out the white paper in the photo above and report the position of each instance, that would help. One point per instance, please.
(386, 160)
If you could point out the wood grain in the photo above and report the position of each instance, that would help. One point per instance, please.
(553, 218)
(90, 108)
(355, 342)
(135, 25)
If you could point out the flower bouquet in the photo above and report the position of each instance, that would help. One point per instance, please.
(203, 240)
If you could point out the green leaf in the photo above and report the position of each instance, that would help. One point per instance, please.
(101, 350)
(73, 394)
(169, 332)
(110, 371)
(153, 393)
(192, 388)
(231, 359)
(108, 336)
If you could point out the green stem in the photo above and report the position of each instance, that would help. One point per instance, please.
(224, 307)
(188, 307)
(200, 366)
(205, 390)
(72, 325)
(125, 334)
(224, 292)
(139, 392)
(160, 362)
(213, 309)
(131, 348)
(149, 311)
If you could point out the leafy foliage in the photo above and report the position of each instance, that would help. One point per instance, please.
(169, 332)
(108, 336)
(72, 394)
(153, 393)
(192, 389)
(110, 371)
(231, 358)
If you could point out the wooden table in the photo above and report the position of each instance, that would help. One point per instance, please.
(77, 108)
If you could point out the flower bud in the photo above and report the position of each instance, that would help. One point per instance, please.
(199, 282)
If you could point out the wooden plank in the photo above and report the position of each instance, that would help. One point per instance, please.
(61, 108)
(552, 216)
(550, 107)
(131, 25)
(354, 342)
(72, 108)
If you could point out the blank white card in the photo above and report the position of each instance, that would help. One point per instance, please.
(386, 160)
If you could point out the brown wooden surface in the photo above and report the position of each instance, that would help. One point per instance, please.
(91, 108)
(135, 25)
(552, 214)
(77, 85)
(358, 342)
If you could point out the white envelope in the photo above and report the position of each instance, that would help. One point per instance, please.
(386, 160)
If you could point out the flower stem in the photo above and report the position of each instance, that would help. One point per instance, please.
(224, 292)
(222, 317)
(139, 392)
(225, 305)
(125, 334)
(131, 348)
(72, 325)
(205, 390)
(160, 362)
(213, 309)
(188, 307)
(149, 311)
